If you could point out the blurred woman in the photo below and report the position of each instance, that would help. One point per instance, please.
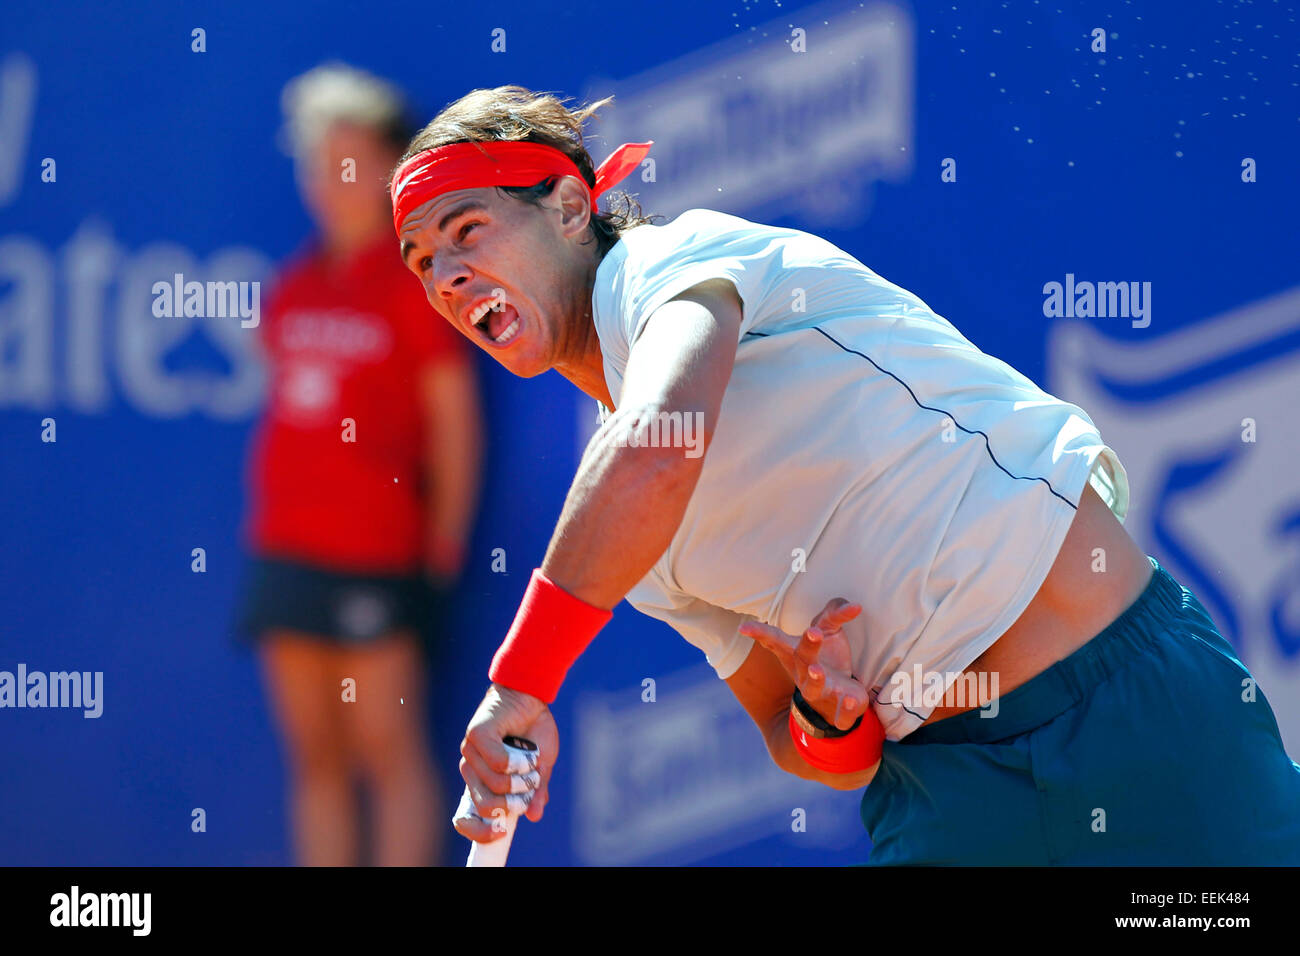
(363, 481)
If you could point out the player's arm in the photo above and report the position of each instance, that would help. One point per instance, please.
(764, 688)
(628, 499)
(621, 513)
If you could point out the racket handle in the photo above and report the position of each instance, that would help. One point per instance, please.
(494, 853)
(523, 753)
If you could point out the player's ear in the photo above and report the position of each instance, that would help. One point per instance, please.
(574, 200)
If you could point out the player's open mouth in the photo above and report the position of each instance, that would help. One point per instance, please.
(498, 326)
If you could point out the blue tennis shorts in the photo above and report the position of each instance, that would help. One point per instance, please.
(1148, 746)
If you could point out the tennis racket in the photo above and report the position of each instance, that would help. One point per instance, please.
(523, 759)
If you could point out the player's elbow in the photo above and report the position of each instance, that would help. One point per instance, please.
(670, 442)
(851, 781)
(788, 759)
(841, 781)
(794, 766)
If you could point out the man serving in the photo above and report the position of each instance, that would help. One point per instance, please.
(857, 445)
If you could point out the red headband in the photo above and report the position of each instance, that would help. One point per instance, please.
(500, 163)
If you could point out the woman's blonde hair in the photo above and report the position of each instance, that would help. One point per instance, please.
(335, 92)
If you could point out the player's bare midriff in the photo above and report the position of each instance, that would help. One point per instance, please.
(1074, 603)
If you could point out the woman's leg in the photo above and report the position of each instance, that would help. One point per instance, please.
(388, 741)
(303, 675)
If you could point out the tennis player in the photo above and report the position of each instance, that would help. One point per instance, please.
(851, 445)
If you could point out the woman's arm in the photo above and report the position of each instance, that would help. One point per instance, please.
(453, 454)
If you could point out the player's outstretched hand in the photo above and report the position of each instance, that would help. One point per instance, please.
(485, 762)
(819, 662)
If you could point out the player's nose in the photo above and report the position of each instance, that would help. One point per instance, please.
(447, 276)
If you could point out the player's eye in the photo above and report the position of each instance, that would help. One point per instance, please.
(464, 230)
(426, 263)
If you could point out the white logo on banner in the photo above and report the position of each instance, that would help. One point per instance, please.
(748, 125)
(740, 128)
(688, 776)
(1215, 498)
(17, 105)
(77, 326)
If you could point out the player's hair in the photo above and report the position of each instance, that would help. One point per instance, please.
(337, 93)
(513, 113)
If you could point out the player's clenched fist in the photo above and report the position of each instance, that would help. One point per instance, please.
(494, 785)
(819, 662)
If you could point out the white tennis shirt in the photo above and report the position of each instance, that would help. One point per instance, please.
(865, 450)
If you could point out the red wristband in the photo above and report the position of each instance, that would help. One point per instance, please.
(857, 750)
(550, 632)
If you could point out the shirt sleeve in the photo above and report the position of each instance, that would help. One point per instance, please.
(714, 630)
(750, 262)
(1109, 479)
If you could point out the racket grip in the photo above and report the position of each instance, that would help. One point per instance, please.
(494, 853)
(523, 755)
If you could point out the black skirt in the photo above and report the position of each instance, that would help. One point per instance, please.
(336, 606)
